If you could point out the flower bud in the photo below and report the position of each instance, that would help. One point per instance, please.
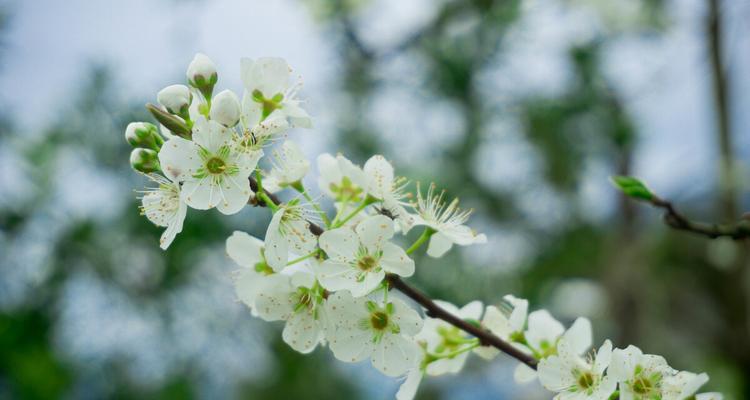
(201, 74)
(175, 124)
(177, 99)
(144, 160)
(225, 108)
(143, 134)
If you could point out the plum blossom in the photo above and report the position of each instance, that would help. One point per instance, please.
(289, 232)
(440, 338)
(447, 222)
(359, 258)
(213, 172)
(247, 252)
(639, 375)
(361, 329)
(268, 90)
(574, 378)
(340, 179)
(225, 108)
(164, 206)
(383, 185)
(682, 385)
(508, 324)
(289, 167)
(298, 300)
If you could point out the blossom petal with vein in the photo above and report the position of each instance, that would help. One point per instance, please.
(575, 378)
(289, 232)
(639, 375)
(360, 258)
(362, 329)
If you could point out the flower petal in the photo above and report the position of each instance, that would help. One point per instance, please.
(340, 244)
(302, 332)
(234, 192)
(439, 245)
(243, 249)
(374, 231)
(395, 260)
(394, 355)
(277, 247)
(179, 159)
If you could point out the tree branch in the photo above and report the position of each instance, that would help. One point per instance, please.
(676, 220)
(486, 338)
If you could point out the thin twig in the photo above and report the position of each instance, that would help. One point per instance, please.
(486, 338)
(676, 220)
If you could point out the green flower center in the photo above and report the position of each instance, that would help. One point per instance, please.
(379, 320)
(586, 380)
(367, 263)
(642, 385)
(269, 105)
(216, 165)
(347, 190)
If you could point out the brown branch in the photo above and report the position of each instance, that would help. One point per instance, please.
(676, 220)
(486, 338)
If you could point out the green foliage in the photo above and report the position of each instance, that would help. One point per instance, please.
(632, 187)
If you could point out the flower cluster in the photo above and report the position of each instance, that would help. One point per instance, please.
(328, 277)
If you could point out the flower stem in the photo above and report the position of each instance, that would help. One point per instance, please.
(351, 215)
(316, 206)
(303, 258)
(474, 344)
(420, 241)
(262, 193)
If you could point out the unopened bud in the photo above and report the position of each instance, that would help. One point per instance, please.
(175, 124)
(225, 108)
(177, 99)
(144, 160)
(143, 134)
(201, 74)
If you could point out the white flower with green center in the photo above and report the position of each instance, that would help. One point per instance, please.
(268, 91)
(361, 329)
(640, 375)
(247, 252)
(359, 259)
(288, 168)
(164, 206)
(575, 378)
(542, 335)
(289, 232)
(300, 301)
(683, 385)
(383, 185)
(507, 324)
(447, 220)
(441, 339)
(340, 179)
(213, 172)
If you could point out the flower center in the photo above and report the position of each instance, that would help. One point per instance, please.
(269, 105)
(642, 385)
(216, 165)
(379, 320)
(367, 263)
(586, 380)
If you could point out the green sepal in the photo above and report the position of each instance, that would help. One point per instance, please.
(175, 124)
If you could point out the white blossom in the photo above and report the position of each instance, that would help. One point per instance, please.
(575, 378)
(268, 90)
(639, 375)
(289, 232)
(214, 172)
(383, 185)
(359, 259)
(176, 98)
(408, 388)
(362, 329)
(440, 338)
(447, 220)
(682, 385)
(289, 166)
(164, 206)
(225, 108)
(298, 300)
(340, 179)
(507, 324)
(247, 252)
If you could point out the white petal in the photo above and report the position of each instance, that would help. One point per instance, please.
(277, 247)
(395, 260)
(274, 301)
(709, 396)
(623, 363)
(298, 117)
(603, 357)
(605, 389)
(555, 374)
(472, 310)
(523, 374)
(340, 244)
(247, 285)
(579, 335)
(179, 159)
(374, 231)
(244, 249)
(334, 275)
(379, 173)
(211, 135)
(543, 327)
(406, 317)
(251, 111)
(394, 355)
(301, 240)
(439, 245)
(270, 75)
(302, 332)
(408, 389)
(201, 194)
(234, 192)
(174, 227)
(518, 315)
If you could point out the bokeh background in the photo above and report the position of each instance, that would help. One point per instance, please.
(521, 108)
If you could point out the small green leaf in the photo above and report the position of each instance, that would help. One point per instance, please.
(632, 187)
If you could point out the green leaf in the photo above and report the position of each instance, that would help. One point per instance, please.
(632, 187)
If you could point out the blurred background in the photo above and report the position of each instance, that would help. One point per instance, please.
(521, 108)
